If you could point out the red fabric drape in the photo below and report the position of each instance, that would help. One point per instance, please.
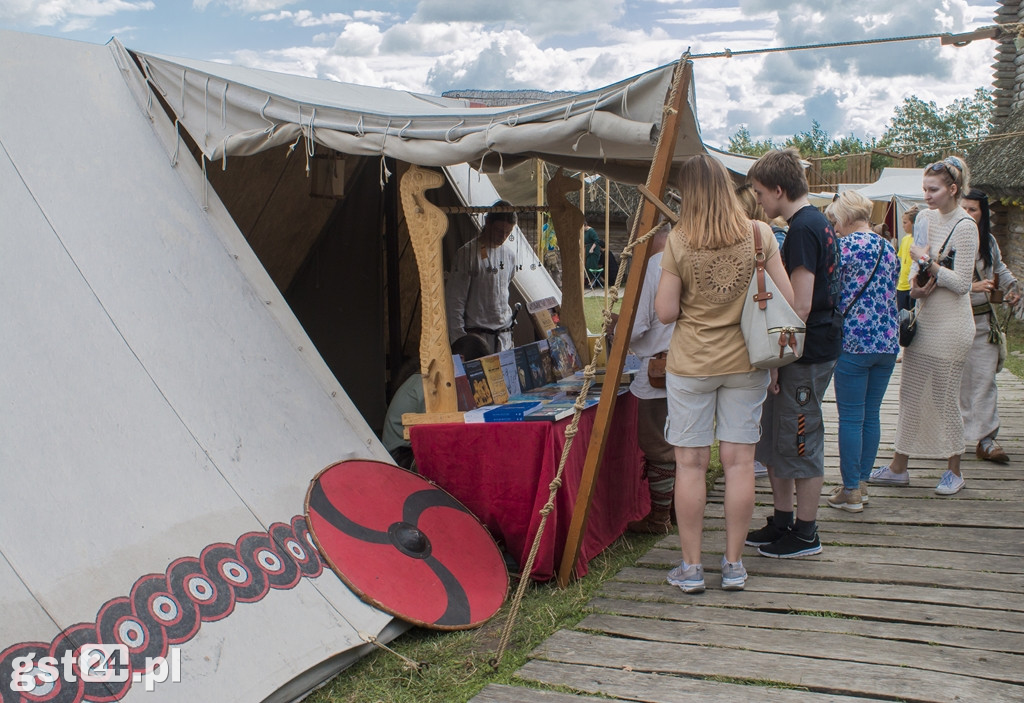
(501, 471)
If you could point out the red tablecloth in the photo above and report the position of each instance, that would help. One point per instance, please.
(501, 471)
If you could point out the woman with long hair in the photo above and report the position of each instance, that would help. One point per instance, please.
(992, 281)
(867, 299)
(712, 388)
(929, 425)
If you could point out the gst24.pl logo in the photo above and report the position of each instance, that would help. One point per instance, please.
(95, 663)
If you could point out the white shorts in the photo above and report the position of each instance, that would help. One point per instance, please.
(728, 406)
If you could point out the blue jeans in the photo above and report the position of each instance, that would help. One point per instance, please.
(860, 381)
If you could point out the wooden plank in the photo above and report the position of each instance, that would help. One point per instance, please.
(568, 222)
(852, 678)
(499, 693)
(626, 684)
(967, 638)
(657, 180)
(988, 600)
(995, 666)
(818, 567)
(864, 608)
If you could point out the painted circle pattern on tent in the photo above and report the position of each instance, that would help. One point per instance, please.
(167, 609)
(406, 546)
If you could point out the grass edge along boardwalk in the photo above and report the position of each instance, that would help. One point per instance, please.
(917, 598)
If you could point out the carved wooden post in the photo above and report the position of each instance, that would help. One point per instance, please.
(569, 228)
(427, 225)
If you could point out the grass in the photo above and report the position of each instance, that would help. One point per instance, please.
(456, 665)
(1014, 342)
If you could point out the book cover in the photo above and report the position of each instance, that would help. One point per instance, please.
(478, 383)
(523, 369)
(463, 391)
(547, 366)
(564, 358)
(510, 412)
(533, 357)
(556, 410)
(509, 371)
(492, 371)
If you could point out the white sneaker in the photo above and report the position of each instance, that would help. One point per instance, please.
(884, 476)
(949, 484)
(760, 469)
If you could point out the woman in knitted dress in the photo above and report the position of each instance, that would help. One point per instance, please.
(978, 395)
(713, 391)
(929, 425)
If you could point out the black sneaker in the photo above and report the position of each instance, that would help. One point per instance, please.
(766, 535)
(791, 545)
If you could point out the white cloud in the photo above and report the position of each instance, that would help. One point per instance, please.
(537, 18)
(305, 18)
(374, 16)
(357, 39)
(252, 6)
(71, 15)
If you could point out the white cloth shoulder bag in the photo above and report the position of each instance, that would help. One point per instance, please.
(774, 333)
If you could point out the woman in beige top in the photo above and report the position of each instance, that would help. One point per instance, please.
(712, 388)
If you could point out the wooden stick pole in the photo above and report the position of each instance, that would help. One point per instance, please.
(657, 180)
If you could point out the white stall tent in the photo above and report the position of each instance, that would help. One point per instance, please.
(162, 411)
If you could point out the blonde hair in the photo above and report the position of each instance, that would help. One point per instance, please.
(710, 216)
(748, 202)
(953, 171)
(850, 207)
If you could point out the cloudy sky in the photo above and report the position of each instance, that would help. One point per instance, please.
(436, 45)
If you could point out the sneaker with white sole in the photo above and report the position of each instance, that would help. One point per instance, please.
(760, 469)
(949, 484)
(767, 534)
(864, 492)
(885, 476)
(792, 545)
(845, 499)
(734, 576)
(689, 577)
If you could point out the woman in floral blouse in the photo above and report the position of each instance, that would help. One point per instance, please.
(870, 271)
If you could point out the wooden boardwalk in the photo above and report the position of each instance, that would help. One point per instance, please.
(918, 598)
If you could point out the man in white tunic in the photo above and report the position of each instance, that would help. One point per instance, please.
(476, 293)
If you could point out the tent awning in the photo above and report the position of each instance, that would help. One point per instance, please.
(233, 110)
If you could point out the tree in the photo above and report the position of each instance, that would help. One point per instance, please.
(742, 143)
(917, 126)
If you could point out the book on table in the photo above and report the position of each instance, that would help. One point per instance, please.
(478, 383)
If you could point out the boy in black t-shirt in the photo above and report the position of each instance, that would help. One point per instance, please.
(792, 441)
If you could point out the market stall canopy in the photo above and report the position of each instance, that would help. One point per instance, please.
(902, 183)
(235, 111)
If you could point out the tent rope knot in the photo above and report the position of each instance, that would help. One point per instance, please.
(409, 663)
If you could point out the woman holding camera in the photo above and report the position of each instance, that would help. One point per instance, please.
(993, 282)
(929, 425)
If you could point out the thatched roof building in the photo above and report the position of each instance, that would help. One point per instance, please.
(997, 165)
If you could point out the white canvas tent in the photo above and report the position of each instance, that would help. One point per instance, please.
(163, 409)
(159, 403)
(898, 188)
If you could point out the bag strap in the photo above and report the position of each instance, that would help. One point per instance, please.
(943, 247)
(762, 296)
(881, 250)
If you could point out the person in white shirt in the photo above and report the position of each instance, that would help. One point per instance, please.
(476, 293)
(650, 338)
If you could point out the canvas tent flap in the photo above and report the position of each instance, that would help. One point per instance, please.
(163, 410)
(232, 110)
(904, 183)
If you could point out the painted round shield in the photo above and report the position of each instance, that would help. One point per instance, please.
(406, 546)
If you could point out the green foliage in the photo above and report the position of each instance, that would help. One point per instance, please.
(915, 126)
(742, 143)
(920, 126)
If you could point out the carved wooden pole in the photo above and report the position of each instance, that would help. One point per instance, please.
(427, 225)
(657, 179)
(569, 227)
